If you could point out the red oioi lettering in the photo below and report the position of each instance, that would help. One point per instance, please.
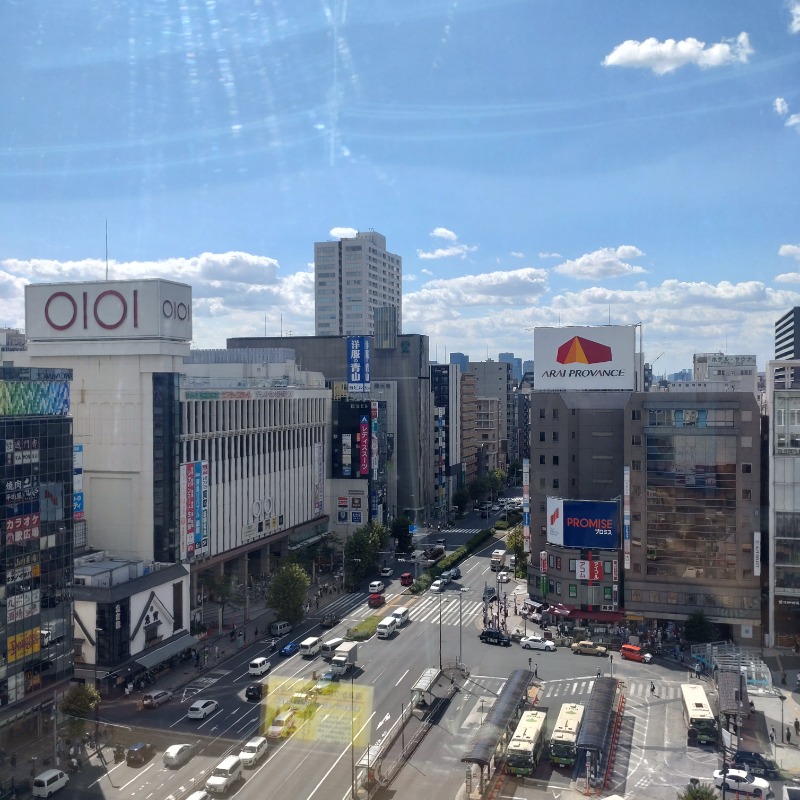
(107, 315)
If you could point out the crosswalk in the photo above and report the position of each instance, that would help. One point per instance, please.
(455, 607)
(569, 688)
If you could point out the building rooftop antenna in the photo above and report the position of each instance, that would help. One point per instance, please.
(106, 248)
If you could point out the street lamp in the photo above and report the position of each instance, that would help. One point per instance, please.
(97, 632)
(782, 697)
(352, 741)
(611, 665)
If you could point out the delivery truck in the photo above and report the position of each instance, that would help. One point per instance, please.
(344, 659)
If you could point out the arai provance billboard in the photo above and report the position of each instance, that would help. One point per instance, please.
(585, 358)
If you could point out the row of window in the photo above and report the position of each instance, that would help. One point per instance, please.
(554, 587)
(219, 416)
(698, 599)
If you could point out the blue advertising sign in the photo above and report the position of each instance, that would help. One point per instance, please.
(358, 364)
(584, 524)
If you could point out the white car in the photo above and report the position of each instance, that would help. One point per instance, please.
(537, 643)
(376, 587)
(503, 577)
(437, 586)
(253, 751)
(202, 708)
(177, 755)
(387, 572)
(741, 781)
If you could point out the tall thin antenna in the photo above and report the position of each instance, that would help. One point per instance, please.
(106, 248)
(281, 326)
(609, 314)
(265, 326)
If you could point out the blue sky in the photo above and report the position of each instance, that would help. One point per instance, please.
(535, 162)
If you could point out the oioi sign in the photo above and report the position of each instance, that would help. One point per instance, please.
(141, 309)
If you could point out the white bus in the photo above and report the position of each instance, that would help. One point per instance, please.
(526, 746)
(697, 714)
(564, 739)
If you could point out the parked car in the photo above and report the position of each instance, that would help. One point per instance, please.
(290, 648)
(140, 753)
(589, 649)
(387, 572)
(253, 751)
(537, 643)
(282, 726)
(756, 764)
(255, 691)
(177, 755)
(376, 600)
(494, 636)
(330, 619)
(376, 587)
(155, 699)
(202, 708)
(739, 781)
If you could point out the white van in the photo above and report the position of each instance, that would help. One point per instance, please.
(258, 666)
(328, 649)
(280, 628)
(253, 751)
(401, 615)
(225, 775)
(386, 627)
(310, 647)
(48, 782)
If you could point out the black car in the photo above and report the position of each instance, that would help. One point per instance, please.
(140, 753)
(330, 619)
(489, 594)
(494, 636)
(455, 573)
(255, 691)
(756, 764)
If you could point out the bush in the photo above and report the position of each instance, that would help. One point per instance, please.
(421, 584)
(365, 629)
(501, 525)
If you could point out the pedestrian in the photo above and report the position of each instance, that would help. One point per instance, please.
(535, 670)
(788, 735)
(697, 670)
(652, 688)
(796, 726)
(772, 735)
(598, 673)
(127, 690)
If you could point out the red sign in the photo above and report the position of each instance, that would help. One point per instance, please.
(586, 570)
(615, 570)
(543, 562)
(363, 447)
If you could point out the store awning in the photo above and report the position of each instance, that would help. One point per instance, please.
(173, 647)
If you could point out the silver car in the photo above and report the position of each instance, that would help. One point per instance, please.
(177, 755)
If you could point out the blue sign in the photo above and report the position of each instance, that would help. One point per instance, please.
(358, 364)
(584, 524)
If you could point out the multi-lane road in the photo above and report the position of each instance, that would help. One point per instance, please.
(316, 762)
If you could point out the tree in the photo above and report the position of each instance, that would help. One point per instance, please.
(460, 499)
(478, 489)
(699, 627)
(497, 480)
(515, 541)
(78, 706)
(698, 791)
(288, 592)
(223, 590)
(401, 531)
(362, 550)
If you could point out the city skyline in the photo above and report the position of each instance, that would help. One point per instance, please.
(531, 168)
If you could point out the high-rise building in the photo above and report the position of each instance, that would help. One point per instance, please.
(461, 359)
(787, 346)
(516, 365)
(494, 380)
(352, 279)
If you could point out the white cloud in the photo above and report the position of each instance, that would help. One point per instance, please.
(447, 252)
(444, 233)
(790, 250)
(788, 277)
(608, 262)
(549, 255)
(344, 233)
(517, 254)
(794, 10)
(781, 107)
(793, 122)
(426, 271)
(669, 55)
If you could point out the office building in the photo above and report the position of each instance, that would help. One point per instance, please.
(470, 438)
(446, 388)
(494, 380)
(718, 372)
(787, 346)
(36, 549)
(516, 365)
(353, 278)
(461, 360)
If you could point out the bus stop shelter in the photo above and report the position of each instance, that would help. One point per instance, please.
(594, 734)
(422, 691)
(500, 722)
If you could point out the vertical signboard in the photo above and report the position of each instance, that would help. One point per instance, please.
(358, 364)
(756, 553)
(543, 562)
(363, 445)
(194, 509)
(626, 517)
(374, 439)
(78, 512)
(526, 504)
(347, 455)
(319, 479)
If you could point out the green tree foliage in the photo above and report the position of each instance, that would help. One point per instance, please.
(288, 592)
(497, 481)
(478, 489)
(699, 628)
(401, 531)
(223, 590)
(460, 499)
(78, 705)
(362, 550)
(700, 791)
(515, 541)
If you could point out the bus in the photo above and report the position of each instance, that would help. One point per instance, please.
(697, 714)
(526, 746)
(564, 740)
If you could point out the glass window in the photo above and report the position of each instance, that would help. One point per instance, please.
(573, 590)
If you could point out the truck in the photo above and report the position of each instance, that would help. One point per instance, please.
(344, 659)
(498, 560)
(53, 631)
